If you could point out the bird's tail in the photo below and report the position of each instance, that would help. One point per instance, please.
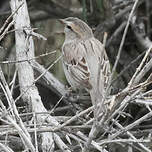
(97, 101)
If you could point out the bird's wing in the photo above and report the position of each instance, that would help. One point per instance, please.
(102, 55)
(74, 60)
(95, 54)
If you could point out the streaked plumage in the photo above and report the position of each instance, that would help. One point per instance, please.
(81, 56)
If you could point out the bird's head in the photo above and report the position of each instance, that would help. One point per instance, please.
(76, 29)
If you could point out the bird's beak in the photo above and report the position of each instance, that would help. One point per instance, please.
(62, 21)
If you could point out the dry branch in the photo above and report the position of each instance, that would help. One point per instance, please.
(117, 126)
(25, 51)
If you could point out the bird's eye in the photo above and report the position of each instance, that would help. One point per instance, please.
(69, 27)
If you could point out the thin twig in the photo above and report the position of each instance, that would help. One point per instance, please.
(35, 132)
(73, 118)
(121, 44)
(58, 102)
(7, 20)
(128, 133)
(6, 30)
(5, 148)
(139, 67)
(28, 60)
(38, 78)
(130, 126)
(128, 66)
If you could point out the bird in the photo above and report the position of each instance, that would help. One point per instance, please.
(82, 53)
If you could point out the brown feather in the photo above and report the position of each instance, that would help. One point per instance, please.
(81, 58)
(76, 65)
